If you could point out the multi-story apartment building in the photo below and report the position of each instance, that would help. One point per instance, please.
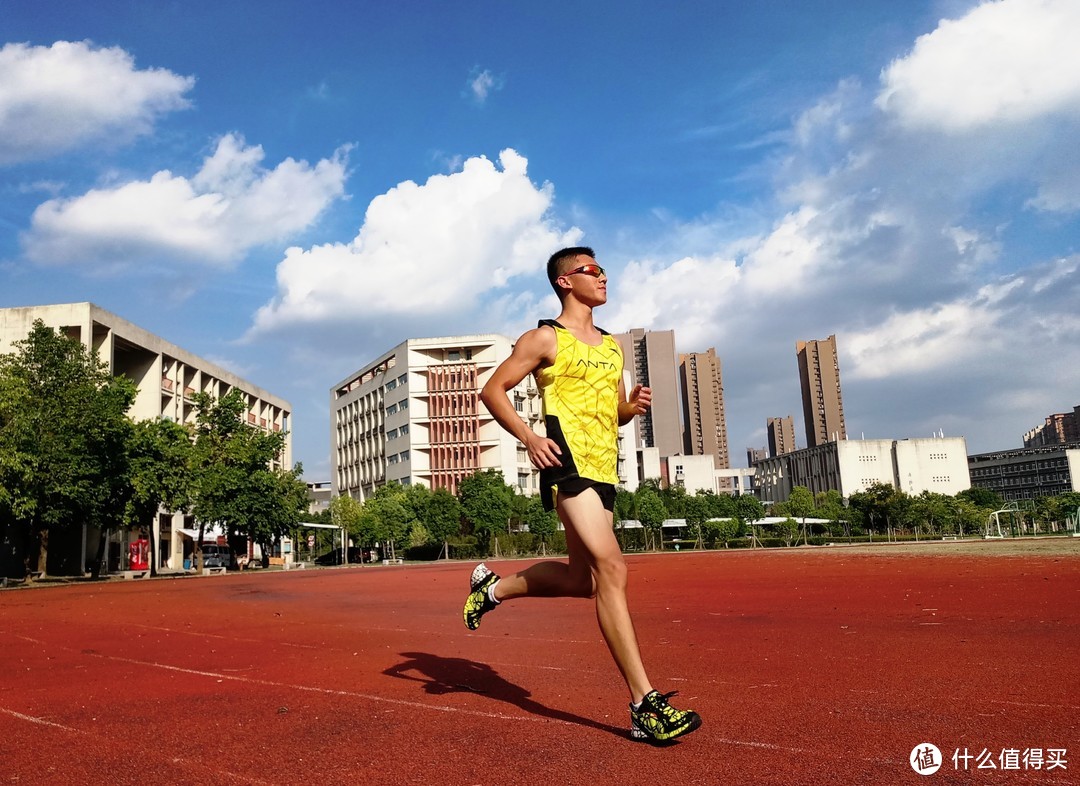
(649, 356)
(702, 386)
(167, 378)
(1027, 473)
(414, 415)
(754, 455)
(703, 404)
(937, 464)
(1059, 429)
(781, 435)
(823, 405)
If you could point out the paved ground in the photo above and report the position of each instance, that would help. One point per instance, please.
(809, 666)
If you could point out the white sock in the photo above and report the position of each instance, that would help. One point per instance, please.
(491, 593)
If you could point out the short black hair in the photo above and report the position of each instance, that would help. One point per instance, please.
(555, 259)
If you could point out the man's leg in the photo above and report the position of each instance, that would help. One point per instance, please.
(552, 579)
(584, 515)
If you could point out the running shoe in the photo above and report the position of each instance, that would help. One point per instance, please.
(479, 603)
(657, 721)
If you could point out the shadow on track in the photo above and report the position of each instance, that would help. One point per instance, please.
(440, 676)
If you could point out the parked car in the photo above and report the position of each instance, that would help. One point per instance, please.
(215, 556)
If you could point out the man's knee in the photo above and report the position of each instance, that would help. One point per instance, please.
(611, 571)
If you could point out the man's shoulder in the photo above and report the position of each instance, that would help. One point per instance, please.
(539, 341)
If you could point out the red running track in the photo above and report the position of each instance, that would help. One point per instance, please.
(823, 666)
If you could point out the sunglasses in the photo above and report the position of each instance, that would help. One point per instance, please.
(590, 270)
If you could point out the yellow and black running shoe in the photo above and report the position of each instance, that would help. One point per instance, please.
(657, 721)
(479, 602)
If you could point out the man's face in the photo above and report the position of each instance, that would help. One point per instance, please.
(586, 280)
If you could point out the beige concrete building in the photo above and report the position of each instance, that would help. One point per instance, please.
(166, 376)
(823, 405)
(849, 466)
(414, 415)
(702, 386)
(649, 356)
(781, 435)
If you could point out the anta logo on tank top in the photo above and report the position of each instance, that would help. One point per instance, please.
(595, 363)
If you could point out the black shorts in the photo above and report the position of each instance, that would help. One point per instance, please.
(571, 487)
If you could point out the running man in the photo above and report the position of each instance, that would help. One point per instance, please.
(578, 369)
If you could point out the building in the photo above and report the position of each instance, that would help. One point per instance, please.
(167, 378)
(319, 493)
(698, 473)
(1058, 429)
(414, 415)
(650, 358)
(937, 464)
(823, 405)
(781, 435)
(702, 385)
(1027, 473)
(754, 455)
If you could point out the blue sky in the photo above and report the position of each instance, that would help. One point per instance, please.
(290, 189)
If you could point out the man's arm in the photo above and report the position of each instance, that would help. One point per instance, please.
(534, 349)
(638, 403)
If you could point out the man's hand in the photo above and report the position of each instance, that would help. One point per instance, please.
(543, 452)
(639, 400)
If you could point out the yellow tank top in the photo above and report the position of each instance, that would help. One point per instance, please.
(580, 393)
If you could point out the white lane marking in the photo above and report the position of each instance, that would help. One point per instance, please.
(329, 691)
(39, 721)
(174, 760)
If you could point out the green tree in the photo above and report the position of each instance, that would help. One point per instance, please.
(486, 503)
(275, 505)
(160, 454)
(63, 457)
(650, 511)
(443, 517)
(984, 498)
(873, 505)
(393, 515)
(800, 504)
(748, 508)
(542, 523)
(696, 512)
(624, 505)
(231, 473)
(674, 498)
(931, 510)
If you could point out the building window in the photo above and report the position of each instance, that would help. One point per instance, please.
(404, 430)
(404, 455)
(390, 410)
(391, 384)
(453, 356)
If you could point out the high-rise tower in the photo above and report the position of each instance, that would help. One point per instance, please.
(823, 406)
(703, 405)
(781, 435)
(649, 356)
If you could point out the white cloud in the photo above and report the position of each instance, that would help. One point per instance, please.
(910, 244)
(436, 248)
(71, 93)
(231, 205)
(481, 84)
(1006, 61)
